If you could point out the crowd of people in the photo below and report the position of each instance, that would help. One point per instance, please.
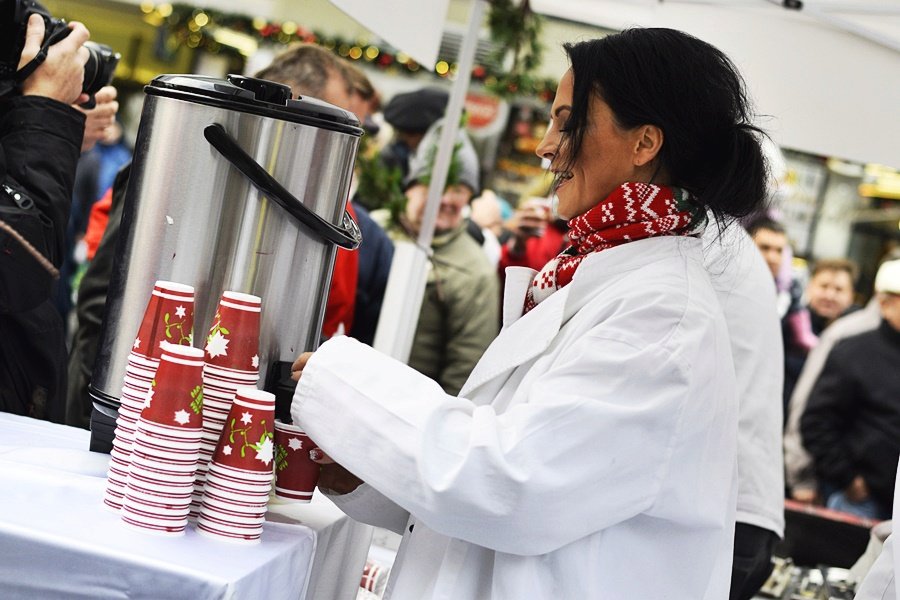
(612, 425)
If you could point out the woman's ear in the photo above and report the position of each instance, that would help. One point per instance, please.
(648, 144)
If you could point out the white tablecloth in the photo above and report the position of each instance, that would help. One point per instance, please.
(57, 540)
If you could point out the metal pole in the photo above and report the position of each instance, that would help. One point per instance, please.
(450, 128)
(409, 268)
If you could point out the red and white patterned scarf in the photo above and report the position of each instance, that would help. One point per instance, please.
(633, 211)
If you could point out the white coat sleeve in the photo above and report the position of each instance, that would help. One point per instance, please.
(367, 505)
(879, 582)
(587, 449)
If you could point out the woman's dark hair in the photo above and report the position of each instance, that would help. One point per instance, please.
(691, 91)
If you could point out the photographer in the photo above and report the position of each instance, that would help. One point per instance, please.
(41, 135)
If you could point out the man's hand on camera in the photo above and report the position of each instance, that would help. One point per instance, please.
(100, 118)
(61, 76)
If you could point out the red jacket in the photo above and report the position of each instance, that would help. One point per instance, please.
(342, 296)
(97, 221)
(538, 251)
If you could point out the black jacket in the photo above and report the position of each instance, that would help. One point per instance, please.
(40, 140)
(851, 425)
(91, 308)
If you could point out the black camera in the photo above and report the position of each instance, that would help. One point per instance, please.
(98, 70)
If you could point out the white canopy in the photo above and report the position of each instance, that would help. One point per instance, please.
(828, 75)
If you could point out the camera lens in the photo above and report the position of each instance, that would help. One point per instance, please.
(101, 63)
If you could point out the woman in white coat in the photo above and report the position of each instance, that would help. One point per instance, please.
(591, 453)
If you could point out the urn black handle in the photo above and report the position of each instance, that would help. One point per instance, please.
(347, 236)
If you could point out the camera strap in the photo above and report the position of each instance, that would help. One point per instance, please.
(26, 71)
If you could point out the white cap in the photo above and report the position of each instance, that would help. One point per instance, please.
(888, 277)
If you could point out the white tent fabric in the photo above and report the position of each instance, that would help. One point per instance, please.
(828, 78)
(405, 24)
(828, 75)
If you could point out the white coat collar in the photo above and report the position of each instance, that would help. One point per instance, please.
(524, 337)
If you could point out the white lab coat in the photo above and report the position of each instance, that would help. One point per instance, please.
(881, 581)
(746, 293)
(590, 455)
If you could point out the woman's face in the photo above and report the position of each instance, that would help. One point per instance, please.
(606, 160)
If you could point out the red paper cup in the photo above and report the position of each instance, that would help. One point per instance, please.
(169, 317)
(233, 340)
(245, 500)
(158, 526)
(160, 506)
(158, 487)
(241, 475)
(175, 433)
(258, 492)
(211, 531)
(221, 517)
(374, 578)
(138, 360)
(295, 474)
(162, 530)
(237, 507)
(247, 438)
(150, 475)
(176, 396)
(226, 374)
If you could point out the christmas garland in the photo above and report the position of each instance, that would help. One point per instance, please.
(514, 29)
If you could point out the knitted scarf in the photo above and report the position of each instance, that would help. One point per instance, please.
(633, 211)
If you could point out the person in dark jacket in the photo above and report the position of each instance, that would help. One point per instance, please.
(90, 310)
(851, 426)
(40, 140)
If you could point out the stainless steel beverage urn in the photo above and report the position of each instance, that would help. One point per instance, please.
(234, 186)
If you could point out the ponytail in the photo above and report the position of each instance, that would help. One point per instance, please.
(738, 187)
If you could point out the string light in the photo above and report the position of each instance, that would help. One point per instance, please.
(189, 26)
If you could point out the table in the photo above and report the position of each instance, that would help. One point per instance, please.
(57, 540)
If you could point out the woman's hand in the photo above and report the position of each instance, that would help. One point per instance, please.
(334, 477)
(299, 365)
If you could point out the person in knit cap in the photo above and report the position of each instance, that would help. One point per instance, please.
(460, 311)
(411, 114)
(851, 426)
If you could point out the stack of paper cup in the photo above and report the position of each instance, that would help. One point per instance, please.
(240, 474)
(374, 578)
(232, 362)
(166, 445)
(169, 318)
